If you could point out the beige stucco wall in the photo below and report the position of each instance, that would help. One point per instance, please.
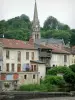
(72, 59)
(14, 56)
(29, 79)
(42, 70)
(58, 60)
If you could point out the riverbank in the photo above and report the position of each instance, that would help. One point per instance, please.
(56, 98)
(19, 95)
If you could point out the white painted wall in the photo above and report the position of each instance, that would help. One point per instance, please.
(42, 70)
(14, 56)
(58, 60)
(72, 59)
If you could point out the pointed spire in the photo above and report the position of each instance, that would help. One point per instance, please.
(35, 24)
(35, 13)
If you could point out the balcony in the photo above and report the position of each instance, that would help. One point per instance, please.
(45, 54)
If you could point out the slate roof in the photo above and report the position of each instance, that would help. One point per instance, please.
(50, 40)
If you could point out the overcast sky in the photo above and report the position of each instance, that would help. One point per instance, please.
(63, 10)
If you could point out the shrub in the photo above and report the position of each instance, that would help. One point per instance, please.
(52, 71)
(72, 67)
(54, 80)
(68, 73)
(69, 77)
(51, 88)
(33, 87)
(56, 70)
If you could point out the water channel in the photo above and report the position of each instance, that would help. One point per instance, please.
(56, 98)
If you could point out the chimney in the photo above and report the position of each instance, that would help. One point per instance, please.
(31, 41)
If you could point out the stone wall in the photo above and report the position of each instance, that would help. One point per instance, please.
(31, 95)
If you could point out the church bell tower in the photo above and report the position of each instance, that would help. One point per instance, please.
(35, 25)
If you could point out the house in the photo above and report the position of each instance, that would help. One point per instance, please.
(19, 63)
(60, 57)
(72, 56)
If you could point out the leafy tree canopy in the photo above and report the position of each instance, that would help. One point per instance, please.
(17, 28)
(21, 25)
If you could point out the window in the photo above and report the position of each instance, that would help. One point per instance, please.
(27, 55)
(19, 68)
(12, 67)
(33, 76)
(25, 76)
(19, 56)
(65, 58)
(7, 67)
(0, 68)
(37, 36)
(32, 56)
(32, 68)
(35, 68)
(7, 54)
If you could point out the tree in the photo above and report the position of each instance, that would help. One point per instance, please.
(17, 28)
(3, 26)
(72, 40)
(50, 23)
(61, 34)
(66, 27)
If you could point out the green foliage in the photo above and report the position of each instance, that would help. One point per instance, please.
(69, 77)
(54, 80)
(52, 71)
(32, 87)
(62, 34)
(58, 34)
(54, 29)
(72, 67)
(57, 70)
(17, 28)
(37, 87)
(50, 23)
(72, 40)
(68, 74)
(20, 27)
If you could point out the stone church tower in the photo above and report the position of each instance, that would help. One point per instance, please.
(35, 25)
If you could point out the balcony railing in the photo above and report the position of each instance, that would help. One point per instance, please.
(45, 54)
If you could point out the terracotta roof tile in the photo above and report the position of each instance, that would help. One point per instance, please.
(17, 44)
(58, 50)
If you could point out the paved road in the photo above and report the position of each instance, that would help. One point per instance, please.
(57, 98)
